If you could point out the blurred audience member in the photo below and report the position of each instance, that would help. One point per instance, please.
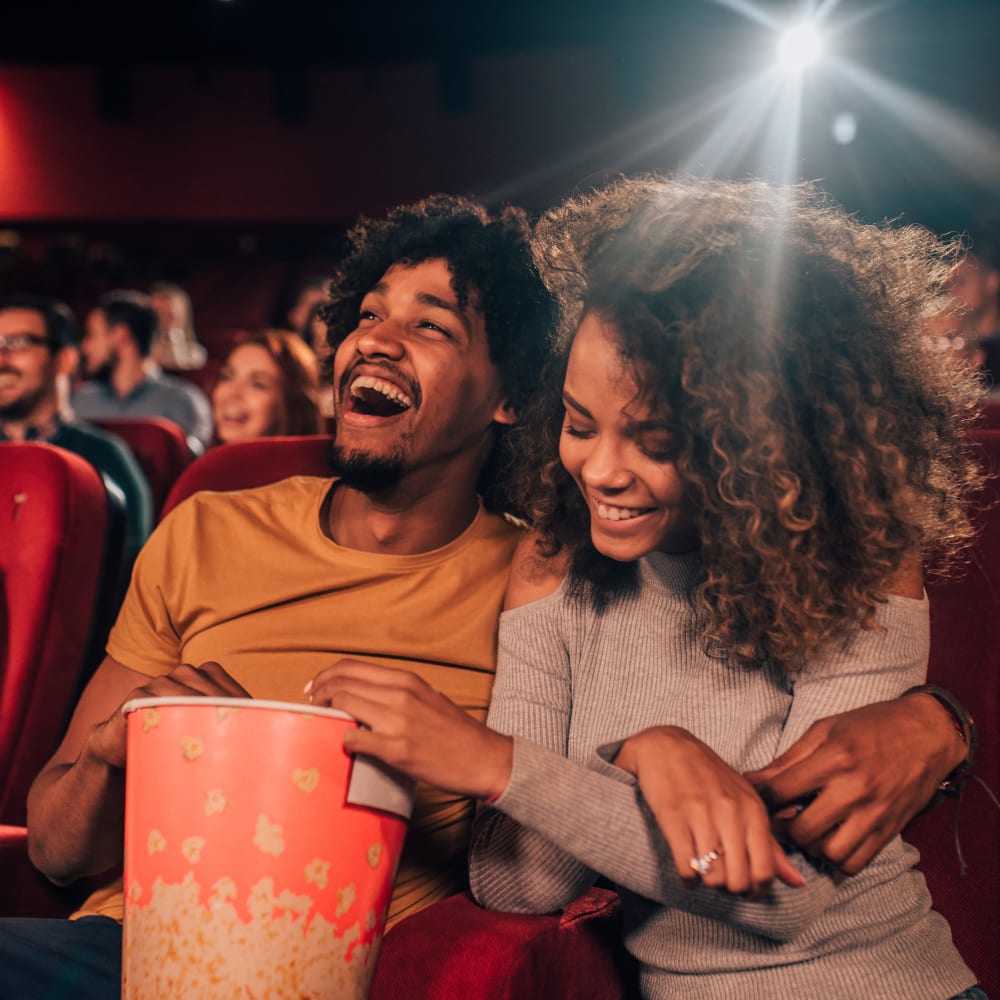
(38, 357)
(314, 332)
(954, 333)
(116, 346)
(175, 344)
(310, 292)
(267, 386)
(976, 286)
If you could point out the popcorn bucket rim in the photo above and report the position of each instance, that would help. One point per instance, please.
(135, 704)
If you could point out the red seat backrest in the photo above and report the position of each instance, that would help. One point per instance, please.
(204, 377)
(54, 522)
(218, 341)
(965, 658)
(160, 446)
(989, 418)
(245, 464)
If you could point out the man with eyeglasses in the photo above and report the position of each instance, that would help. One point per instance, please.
(38, 356)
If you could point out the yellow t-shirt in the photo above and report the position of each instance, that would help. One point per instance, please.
(250, 580)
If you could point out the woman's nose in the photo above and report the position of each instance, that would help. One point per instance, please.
(229, 390)
(604, 467)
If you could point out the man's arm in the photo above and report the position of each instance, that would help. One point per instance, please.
(76, 804)
(865, 774)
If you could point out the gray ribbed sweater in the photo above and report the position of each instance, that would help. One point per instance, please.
(570, 683)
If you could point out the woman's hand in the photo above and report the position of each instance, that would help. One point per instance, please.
(414, 728)
(703, 806)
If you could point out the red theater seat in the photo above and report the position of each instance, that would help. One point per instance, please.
(244, 464)
(965, 658)
(455, 950)
(204, 378)
(989, 418)
(218, 341)
(61, 541)
(160, 447)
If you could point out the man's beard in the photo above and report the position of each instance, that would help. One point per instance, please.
(22, 408)
(365, 472)
(102, 373)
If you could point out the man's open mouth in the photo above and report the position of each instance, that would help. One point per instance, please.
(375, 397)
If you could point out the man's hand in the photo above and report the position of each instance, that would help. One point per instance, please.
(864, 774)
(702, 805)
(76, 805)
(109, 738)
(414, 728)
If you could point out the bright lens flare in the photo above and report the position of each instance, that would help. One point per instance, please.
(798, 49)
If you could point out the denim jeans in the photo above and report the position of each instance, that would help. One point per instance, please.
(60, 959)
(972, 993)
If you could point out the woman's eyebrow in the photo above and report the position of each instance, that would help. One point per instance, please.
(656, 424)
(573, 404)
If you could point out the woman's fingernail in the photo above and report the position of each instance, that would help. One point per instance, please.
(308, 688)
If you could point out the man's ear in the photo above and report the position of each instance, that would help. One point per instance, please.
(504, 413)
(67, 360)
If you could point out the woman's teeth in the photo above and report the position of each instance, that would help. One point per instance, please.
(607, 513)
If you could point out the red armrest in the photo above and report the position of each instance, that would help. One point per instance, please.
(455, 950)
(26, 891)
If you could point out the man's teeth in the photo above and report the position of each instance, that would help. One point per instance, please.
(387, 389)
(617, 513)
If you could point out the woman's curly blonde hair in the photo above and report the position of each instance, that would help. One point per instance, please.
(818, 431)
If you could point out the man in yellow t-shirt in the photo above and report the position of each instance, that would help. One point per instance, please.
(438, 321)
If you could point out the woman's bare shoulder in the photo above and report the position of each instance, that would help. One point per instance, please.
(532, 574)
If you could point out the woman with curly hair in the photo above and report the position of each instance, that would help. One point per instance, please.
(268, 385)
(747, 453)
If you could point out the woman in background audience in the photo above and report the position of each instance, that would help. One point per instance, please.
(268, 385)
(175, 345)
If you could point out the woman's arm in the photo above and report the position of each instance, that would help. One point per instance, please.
(601, 824)
(872, 667)
(865, 772)
(511, 867)
(559, 822)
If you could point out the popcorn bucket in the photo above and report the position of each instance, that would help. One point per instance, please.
(259, 857)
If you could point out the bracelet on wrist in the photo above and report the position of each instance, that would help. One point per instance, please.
(965, 726)
(964, 723)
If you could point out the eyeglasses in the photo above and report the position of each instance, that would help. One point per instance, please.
(14, 342)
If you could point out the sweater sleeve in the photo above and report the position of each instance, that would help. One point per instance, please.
(595, 813)
(512, 867)
(870, 664)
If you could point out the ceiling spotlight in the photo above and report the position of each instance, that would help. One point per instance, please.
(844, 128)
(799, 48)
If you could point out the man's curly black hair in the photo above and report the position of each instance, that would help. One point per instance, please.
(490, 259)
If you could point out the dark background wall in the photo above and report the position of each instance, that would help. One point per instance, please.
(173, 134)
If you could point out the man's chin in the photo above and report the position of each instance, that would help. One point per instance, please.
(15, 411)
(365, 472)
